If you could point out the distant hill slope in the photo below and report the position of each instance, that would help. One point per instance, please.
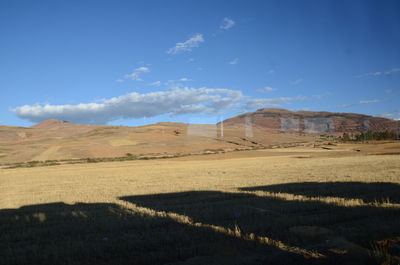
(56, 140)
(49, 124)
(64, 128)
(310, 122)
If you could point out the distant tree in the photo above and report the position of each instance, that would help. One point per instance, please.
(346, 137)
(371, 136)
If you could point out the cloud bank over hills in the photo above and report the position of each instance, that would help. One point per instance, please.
(135, 105)
(176, 101)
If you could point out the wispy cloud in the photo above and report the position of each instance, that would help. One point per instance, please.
(156, 83)
(369, 74)
(388, 91)
(136, 73)
(119, 80)
(178, 83)
(296, 82)
(266, 89)
(361, 102)
(304, 109)
(234, 61)
(186, 46)
(369, 101)
(257, 103)
(395, 115)
(135, 105)
(271, 71)
(227, 23)
(389, 72)
(190, 60)
(392, 71)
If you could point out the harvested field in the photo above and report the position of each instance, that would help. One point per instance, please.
(273, 206)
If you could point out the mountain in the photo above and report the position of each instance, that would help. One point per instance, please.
(58, 140)
(310, 122)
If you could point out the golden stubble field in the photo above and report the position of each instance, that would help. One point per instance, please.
(291, 205)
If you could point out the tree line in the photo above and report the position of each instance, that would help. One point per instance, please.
(370, 136)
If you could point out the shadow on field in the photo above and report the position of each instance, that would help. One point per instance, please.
(100, 233)
(107, 233)
(368, 192)
(342, 234)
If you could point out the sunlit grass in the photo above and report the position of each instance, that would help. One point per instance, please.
(251, 208)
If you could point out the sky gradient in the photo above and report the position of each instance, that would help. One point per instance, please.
(140, 62)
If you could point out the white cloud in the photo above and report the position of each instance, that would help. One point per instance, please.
(234, 61)
(388, 91)
(296, 82)
(156, 83)
(227, 23)
(136, 73)
(190, 60)
(184, 79)
(266, 89)
(177, 100)
(134, 105)
(271, 71)
(391, 71)
(119, 80)
(361, 102)
(142, 69)
(187, 45)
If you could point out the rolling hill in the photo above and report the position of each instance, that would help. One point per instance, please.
(58, 140)
(311, 123)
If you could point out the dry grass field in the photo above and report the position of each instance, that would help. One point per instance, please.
(299, 205)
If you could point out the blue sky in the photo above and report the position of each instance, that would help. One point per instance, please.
(139, 62)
